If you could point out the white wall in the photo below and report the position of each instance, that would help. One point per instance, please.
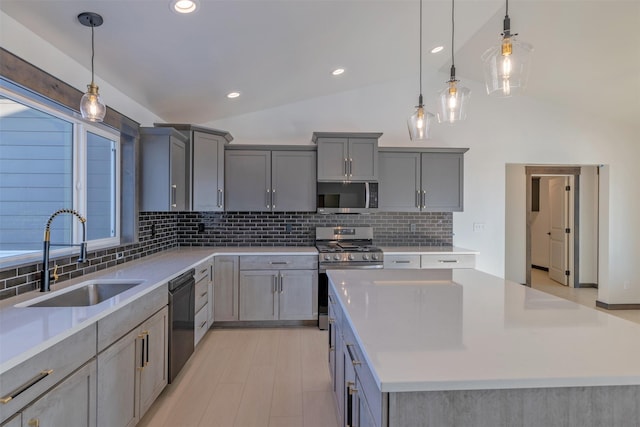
(589, 224)
(498, 132)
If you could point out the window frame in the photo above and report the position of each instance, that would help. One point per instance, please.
(79, 173)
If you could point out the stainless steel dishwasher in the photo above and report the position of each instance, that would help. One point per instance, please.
(181, 321)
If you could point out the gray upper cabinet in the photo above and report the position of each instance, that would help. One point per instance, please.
(248, 180)
(442, 182)
(204, 165)
(270, 181)
(347, 156)
(163, 174)
(428, 181)
(399, 185)
(208, 172)
(293, 181)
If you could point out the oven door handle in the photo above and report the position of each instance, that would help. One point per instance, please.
(324, 268)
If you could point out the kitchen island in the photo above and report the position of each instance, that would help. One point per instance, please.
(464, 348)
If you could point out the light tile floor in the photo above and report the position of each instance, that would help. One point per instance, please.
(251, 377)
(585, 296)
(276, 377)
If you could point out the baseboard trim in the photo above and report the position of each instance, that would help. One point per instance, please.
(617, 306)
(588, 285)
(263, 324)
(537, 267)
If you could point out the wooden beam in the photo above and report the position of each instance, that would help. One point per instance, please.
(30, 77)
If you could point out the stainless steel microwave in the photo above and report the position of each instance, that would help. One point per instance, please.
(347, 197)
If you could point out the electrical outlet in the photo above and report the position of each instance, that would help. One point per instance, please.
(119, 255)
(287, 228)
(413, 228)
(200, 227)
(478, 227)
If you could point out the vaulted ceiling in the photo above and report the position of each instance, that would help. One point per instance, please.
(275, 52)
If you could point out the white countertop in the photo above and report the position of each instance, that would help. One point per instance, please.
(419, 250)
(424, 330)
(26, 331)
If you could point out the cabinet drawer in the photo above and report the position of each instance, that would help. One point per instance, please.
(201, 324)
(401, 261)
(448, 261)
(278, 262)
(34, 376)
(202, 271)
(202, 294)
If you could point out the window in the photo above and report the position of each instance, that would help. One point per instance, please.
(50, 160)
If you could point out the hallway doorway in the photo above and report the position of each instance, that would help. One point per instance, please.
(561, 224)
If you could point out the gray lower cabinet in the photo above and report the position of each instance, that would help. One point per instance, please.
(278, 287)
(225, 288)
(132, 372)
(278, 295)
(347, 156)
(163, 170)
(70, 403)
(421, 181)
(15, 421)
(270, 181)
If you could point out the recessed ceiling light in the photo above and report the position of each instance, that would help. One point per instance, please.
(183, 6)
(233, 95)
(437, 49)
(337, 71)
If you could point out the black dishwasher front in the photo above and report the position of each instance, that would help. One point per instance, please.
(181, 321)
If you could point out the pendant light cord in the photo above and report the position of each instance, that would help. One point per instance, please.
(92, 52)
(453, 30)
(421, 49)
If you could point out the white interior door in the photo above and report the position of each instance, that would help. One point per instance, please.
(559, 220)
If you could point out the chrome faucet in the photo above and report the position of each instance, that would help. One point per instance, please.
(45, 276)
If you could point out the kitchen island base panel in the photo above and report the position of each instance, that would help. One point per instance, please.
(533, 407)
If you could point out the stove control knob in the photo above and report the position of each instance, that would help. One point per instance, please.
(351, 257)
(327, 257)
(336, 257)
(374, 257)
(365, 257)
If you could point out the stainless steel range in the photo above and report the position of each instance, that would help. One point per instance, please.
(342, 248)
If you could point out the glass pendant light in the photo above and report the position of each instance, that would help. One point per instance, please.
(420, 122)
(91, 106)
(454, 98)
(506, 66)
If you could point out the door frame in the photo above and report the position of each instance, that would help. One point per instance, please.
(574, 238)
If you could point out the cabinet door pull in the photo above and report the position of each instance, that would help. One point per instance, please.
(350, 167)
(203, 294)
(402, 261)
(15, 393)
(279, 262)
(331, 299)
(345, 167)
(141, 367)
(273, 283)
(447, 261)
(219, 197)
(354, 361)
(332, 320)
(418, 199)
(281, 289)
(273, 198)
(268, 198)
(148, 338)
(174, 195)
(34, 422)
(202, 324)
(424, 199)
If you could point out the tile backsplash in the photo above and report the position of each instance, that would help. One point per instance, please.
(298, 228)
(159, 231)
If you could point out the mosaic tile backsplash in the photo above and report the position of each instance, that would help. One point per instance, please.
(159, 231)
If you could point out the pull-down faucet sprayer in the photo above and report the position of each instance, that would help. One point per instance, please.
(45, 279)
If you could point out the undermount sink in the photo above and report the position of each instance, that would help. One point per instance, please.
(89, 293)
